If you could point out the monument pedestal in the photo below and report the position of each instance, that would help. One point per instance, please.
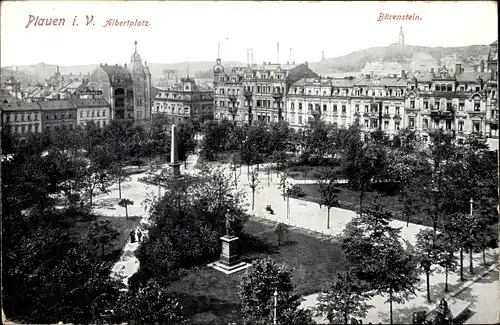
(229, 261)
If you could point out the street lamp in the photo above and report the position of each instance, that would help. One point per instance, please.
(275, 305)
(471, 205)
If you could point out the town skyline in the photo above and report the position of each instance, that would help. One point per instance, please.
(115, 44)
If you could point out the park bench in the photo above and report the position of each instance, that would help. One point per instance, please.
(456, 307)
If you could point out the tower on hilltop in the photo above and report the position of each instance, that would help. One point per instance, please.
(401, 37)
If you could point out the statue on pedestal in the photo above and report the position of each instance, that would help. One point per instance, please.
(229, 226)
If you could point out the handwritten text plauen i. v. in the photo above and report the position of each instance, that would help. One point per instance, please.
(88, 20)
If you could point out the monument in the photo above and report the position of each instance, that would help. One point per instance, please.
(174, 159)
(229, 261)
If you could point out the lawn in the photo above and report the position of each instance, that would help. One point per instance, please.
(123, 225)
(211, 297)
(348, 199)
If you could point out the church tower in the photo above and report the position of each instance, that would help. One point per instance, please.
(401, 37)
(142, 86)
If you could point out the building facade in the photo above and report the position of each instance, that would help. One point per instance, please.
(19, 119)
(127, 88)
(255, 92)
(96, 110)
(184, 101)
(460, 103)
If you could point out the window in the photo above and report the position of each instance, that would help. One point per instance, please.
(309, 107)
(36, 128)
(93, 113)
(23, 129)
(426, 104)
(63, 116)
(448, 106)
(412, 122)
(343, 109)
(98, 113)
(300, 106)
(397, 109)
(477, 105)
(396, 125)
(366, 108)
(55, 116)
(335, 108)
(309, 92)
(69, 116)
(437, 104)
(426, 123)
(81, 114)
(47, 116)
(425, 138)
(461, 105)
(15, 117)
(476, 126)
(412, 104)
(366, 124)
(292, 106)
(386, 125)
(88, 113)
(324, 107)
(460, 141)
(22, 117)
(448, 125)
(29, 116)
(386, 109)
(300, 119)
(357, 108)
(449, 87)
(36, 116)
(103, 113)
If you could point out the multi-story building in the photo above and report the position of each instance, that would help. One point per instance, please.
(453, 102)
(183, 101)
(117, 88)
(96, 110)
(127, 89)
(57, 114)
(19, 119)
(255, 92)
(377, 103)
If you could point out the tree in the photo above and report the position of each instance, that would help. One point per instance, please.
(282, 232)
(329, 194)
(446, 255)
(428, 252)
(360, 161)
(344, 298)
(254, 182)
(257, 288)
(284, 185)
(188, 221)
(186, 143)
(153, 304)
(124, 203)
(375, 254)
(101, 234)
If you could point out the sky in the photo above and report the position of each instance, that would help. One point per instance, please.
(182, 31)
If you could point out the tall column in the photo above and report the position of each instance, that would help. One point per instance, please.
(174, 159)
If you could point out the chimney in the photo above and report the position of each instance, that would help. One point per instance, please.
(125, 65)
(145, 62)
(482, 66)
(264, 63)
(290, 54)
(306, 64)
(287, 62)
(403, 74)
(458, 69)
(278, 53)
(269, 62)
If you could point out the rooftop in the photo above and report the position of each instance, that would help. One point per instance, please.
(90, 102)
(18, 106)
(56, 104)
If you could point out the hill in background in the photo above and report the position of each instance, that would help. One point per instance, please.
(352, 62)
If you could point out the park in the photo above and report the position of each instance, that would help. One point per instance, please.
(322, 216)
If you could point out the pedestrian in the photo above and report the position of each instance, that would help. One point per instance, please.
(132, 236)
(139, 235)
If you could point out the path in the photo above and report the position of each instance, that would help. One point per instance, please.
(302, 214)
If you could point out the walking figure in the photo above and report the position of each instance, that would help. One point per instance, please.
(132, 236)
(139, 235)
